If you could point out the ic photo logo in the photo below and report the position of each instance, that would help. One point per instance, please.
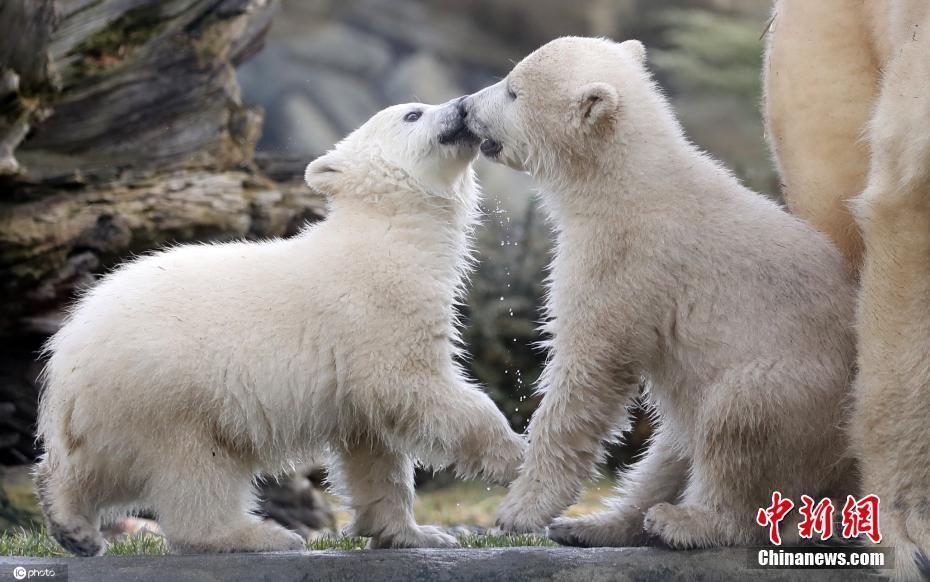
(22, 573)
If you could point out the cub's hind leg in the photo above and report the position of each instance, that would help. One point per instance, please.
(657, 477)
(378, 483)
(204, 502)
(732, 469)
(70, 508)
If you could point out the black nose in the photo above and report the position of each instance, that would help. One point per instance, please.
(460, 104)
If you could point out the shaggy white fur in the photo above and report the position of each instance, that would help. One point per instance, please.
(184, 373)
(737, 315)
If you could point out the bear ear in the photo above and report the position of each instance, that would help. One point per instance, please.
(323, 173)
(596, 103)
(635, 49)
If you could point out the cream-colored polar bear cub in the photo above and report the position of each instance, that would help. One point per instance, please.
(186, 372)
(737, 314)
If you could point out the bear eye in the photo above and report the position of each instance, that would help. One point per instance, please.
(511, 93)
(413, 116)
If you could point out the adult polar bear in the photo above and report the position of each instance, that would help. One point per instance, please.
(737, 313)
(185, 372)
(848, 114)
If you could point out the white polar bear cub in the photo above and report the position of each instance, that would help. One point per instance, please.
(737, 314)
(184, 373)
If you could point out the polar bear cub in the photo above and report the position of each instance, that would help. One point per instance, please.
(737, 314)
(184, 373)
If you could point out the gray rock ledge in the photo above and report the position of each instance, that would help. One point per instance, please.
(498, 564)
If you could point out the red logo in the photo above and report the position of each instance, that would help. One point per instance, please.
(861, 517)
(817, 519)
(773, 515)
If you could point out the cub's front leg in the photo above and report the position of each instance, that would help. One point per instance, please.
(659, 476)
(449, 421)
(487, 445)
(585, 397)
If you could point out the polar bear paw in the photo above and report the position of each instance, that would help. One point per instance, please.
(265, 536)
(421, 536)
(681, 526)
(605, 529)
(503, 465)
(520, 514)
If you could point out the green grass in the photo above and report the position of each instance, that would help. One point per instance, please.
(337, 543)
(29, 543)
(141, 544)
(504, 541)
(458, 503)
(36, 543)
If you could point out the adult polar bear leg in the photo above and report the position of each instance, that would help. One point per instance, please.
(379, 485)
(890, 427)
(820, 82)
(658, 477)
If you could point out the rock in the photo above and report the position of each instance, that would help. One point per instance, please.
(421, 78)
(341, 48)
(449, 565)
(346, 100)
(286, 168)
(264, 79)
(417, 25)
(527, 24)
(303, 127)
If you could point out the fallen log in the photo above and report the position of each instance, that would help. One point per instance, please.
(122, 129)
